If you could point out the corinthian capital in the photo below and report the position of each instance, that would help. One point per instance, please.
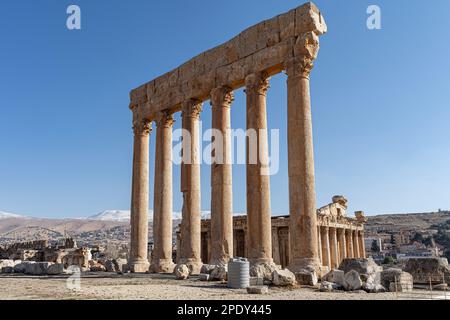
(257, 83)
(222, 96)
(306, 49)
(192, 108)
(142, 127)
(164, 119)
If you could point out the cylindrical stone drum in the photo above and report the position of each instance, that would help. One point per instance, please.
(238, 273)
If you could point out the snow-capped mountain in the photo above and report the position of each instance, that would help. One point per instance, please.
(111, 215)
(124, 215)
(7, 215)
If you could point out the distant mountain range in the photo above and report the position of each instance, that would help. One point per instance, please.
(124, 215)
(23, 228)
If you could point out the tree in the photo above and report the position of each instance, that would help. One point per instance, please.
(375, 247)
(388, 260)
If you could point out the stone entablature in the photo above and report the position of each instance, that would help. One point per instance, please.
(264, 47)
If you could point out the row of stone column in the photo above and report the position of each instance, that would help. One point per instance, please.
(335, 244)
(303, 224)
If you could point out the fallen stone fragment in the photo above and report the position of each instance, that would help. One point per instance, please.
(258, 290)
(203, 277)
(182, 272)
(352, 281)
(283, 278)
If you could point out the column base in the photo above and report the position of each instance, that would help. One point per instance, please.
(220, 261)
(162, 266)
(194, 265)
(299, 264)
(263, 268)
(139, 266)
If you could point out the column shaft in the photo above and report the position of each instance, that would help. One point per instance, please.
(349, 241)
(162, 204)
(356, 253)
(326, 254)
(221, 178)
(342, 245)
(362, 245)
(319, 244)
(334, 248)
(190, 187)
(302, 195)
(139, 197)
(259, 214)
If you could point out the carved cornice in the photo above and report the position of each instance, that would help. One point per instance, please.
(192, 108)
(164, 119)
(222, 96)
(257, 83)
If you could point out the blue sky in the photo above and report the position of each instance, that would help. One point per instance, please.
(380, 101)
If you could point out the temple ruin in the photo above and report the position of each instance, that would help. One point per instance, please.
(340, 236)
(288, 42)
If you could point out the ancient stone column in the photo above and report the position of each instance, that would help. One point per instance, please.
(356, 253)
(302, 195)
(190, 187)
(342, 245)
(139, 197)
(349, 241)
(334, 254)
(319, 244)
(162, 204)
(326, 254)
(221, 177)
(362, 245)
(258, 179)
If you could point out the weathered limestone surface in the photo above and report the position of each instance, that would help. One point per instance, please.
(283, 278)
(190, 247)
(396, 280)
(139, 196)
(262, 47)
(221, 177)
(182, 272)
(162, 205)
(258, 179)
(352, 281)
(425, 270)
(335, 276)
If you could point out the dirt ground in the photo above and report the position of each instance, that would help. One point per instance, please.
(105, 286)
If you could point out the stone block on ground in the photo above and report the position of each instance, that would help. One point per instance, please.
(182, 272)
(207, 268)
(404, 280)
(361, 265)
(255, 281)
(219, 273)
(263, 270)
(306, 277)
(352, 281)
(425, 269)
(121, 265)
(22, 267)
(335, 276)
(373, 288)
(98, 268)
(7, 270)
(258, 290)
(326, 286)
(203, 277)
(283, 278)
(55, 269)
(38, 268)
(6, 263)
(110, 266)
